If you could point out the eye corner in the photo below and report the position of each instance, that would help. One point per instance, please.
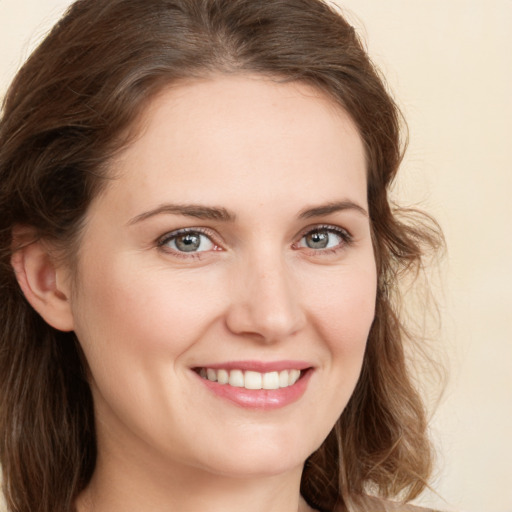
(188, 242)
(320, 241)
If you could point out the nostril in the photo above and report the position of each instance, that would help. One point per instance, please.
(265, 306)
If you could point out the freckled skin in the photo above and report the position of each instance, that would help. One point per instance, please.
(146, 313)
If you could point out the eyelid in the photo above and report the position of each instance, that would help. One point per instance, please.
(327, 227)
(170, 235)
(344, 233)
(347, 237)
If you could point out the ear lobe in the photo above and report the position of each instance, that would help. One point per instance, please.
(40, 280)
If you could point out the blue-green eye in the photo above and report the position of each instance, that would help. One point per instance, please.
(187, 242)
(324, 238)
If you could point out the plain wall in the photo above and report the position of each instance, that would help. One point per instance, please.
(449, 65)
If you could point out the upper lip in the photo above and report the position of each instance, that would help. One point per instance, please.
(259, 366)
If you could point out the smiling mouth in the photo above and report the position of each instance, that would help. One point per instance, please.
(250, 379)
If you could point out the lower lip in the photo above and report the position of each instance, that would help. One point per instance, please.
(260, 398)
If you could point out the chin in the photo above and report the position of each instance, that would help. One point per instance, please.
(267, 456)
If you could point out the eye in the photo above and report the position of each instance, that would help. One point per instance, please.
(187, 241)
(324, 238)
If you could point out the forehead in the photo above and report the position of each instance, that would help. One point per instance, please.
(242, 136)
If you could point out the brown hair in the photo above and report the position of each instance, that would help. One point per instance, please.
(66, 114)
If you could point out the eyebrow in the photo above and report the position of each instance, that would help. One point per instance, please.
(219, 213)
(188, 210)
(329, 208)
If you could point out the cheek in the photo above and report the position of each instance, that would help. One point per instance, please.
(134, 327)
(140, 311)
(344, 313)
(342, 310)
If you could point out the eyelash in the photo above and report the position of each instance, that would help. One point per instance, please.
(168, 237)
(346, 240)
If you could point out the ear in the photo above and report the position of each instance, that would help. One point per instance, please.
(42, 282)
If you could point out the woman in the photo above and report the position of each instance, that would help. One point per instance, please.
(200, 265)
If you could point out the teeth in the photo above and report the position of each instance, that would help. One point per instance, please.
(271, 380)
(222, 376)
(284, 378)
(236, 378)
(294, 375)
(250, 379)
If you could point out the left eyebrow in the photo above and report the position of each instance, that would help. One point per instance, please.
(188, 210)
(328, 208)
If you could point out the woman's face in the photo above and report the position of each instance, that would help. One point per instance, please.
(226, 279)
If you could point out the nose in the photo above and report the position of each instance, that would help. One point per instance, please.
(265, 303)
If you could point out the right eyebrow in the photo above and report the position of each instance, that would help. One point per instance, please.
(188, 210)
(326, 209)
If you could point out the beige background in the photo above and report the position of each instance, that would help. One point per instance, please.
(449, 64)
